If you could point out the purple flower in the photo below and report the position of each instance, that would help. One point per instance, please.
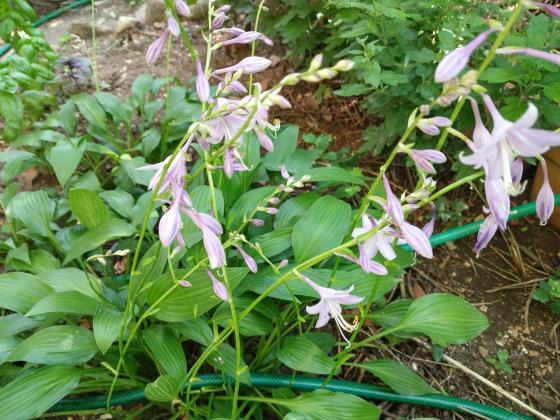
(233, 86)
(413, 236)
(202, 85)
(249, 65)
(428, 228)
(210, 228)
(486, 232)
(424, 159)
(381, 241)
(257, 222)
(182, 8)
(264, 140)
(220, 288)
(430, 126)
(185, 283)
(545, 198)
(227, 124)
(173, 26)
(231, 163)
(169, 228)
(218, 21)
(282, 264)
(244, 38)
(548, 8)
(284, 172)
(329, 307)
(498, 200)
(543, 55)
(155, 49)
(452, 64)
(249, 261)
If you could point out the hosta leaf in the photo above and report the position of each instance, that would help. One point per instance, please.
(16, 323)
(331, 174)
(88, 207)
(72, 279)
(399, 377)
(247, 203)
(322, 404)
(166, 350)
(120, 201)
(60, 344)
(34, 209)
(33, 392)
(64, 158)
(106, 327)
(445, 318)
(66, 302)
(224, 359)
(91, 110)
(20, 291)
(322, 228)
(301, 354)
(165, 388)
(107, 231)
(294, 209)
(188, 302)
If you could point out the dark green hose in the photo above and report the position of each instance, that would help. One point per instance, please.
(53, 15)
(303, 383)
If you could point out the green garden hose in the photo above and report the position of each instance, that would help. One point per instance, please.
(302, 383)
(44, 19)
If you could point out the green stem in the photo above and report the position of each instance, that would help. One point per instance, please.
(94, 47)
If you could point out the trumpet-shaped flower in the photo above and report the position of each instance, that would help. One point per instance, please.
(182, 8)
(545, 197)
(430, 126)
(220, 289)
(531, 52)
(249, 261)
(329, 306)
(156, 48)
(249, 65)
(425, 159)
(486, 232)
(202, 85)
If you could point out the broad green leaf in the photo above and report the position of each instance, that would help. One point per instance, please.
(20, 291)
(353, 89)
(41, 261)
(67, 117)
(33, 392)
(166, 350)
(15, 323)
(152, 264)
(65, 302)
(7, 344)
(107, 323)
(303, 355)
(34, 209)
(399, 377)
(109, 230)
(322, 404)
(321, 229)
(93, 112)
(72, 279)
(195, 330)
(284, 146)
(331, 174)
(140, 88)
(294, 209)
(88, 208)
(116, 107)
(252, 325)
(552, 91)
(499, 75)
(391, 314)
(224, 359)
(163, 389)
(272, 243)
(246, 205)
(445, 318)
(120, 201)
(64, 158)
(60, 344)
(186, 303)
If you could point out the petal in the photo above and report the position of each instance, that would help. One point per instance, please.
(529, 118)
(386, 248)
(394, 208)
(375, 268)
(526, 141)
(545, 198)
(315, 309)
(349, 299)
(486, 233)
(214, 249)
(417, 240)
(498, 200)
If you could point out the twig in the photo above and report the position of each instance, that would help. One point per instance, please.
(489, 383)
(526, 312)
(521, 285)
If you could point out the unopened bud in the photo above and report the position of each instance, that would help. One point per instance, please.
(290, 79)
(274, 200)
(312, 78)
(344, 65)
(469, 78)
(316, 62)
(326, 73)
(283, 264)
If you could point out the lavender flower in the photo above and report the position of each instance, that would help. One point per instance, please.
(202, 85)
(545, 197)
(185, 283)
(486, 232)
(249, 261)
(233, 162)
(220, 288)
(452, 64)
(210, 228)
(424, 159)
(543, 55)
(249, 65)
(282, 264)
(257, 222)
(173, 25)
(243, 38)
(229, 123)
(329, 307)
(381, 241)
(284, 172)
(155, 49)
(430, 126)
(548, 8)
(169, 227)
(182, 8)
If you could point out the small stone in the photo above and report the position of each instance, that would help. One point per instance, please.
(125, 23)
(154, 12)
(483, 351)
(82, 28)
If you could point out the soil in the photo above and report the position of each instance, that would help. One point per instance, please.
(499, 282)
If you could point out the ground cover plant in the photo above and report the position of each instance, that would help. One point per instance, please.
(184, 233)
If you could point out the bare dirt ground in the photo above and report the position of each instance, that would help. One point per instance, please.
(499, 282)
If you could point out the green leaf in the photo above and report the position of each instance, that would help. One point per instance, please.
(322, 228)
(34, 209)
(116, 107)
(247, 203)
(65, 302)
(224, 359)
(67, 117)
(120, 201)
(303, 355)
(195, 330)
(163, 389)
(15, 323)
(41, 261)
(91, 110)
(33, 392)
(188, 302)
(322, 404)
(88, 208)
(294, 209)
(499, 75)
(399, 377)
(140, 88)
(284, 146)
(60, 344)
(64, 158)
(445, 318)
(552, 91)
(107, 324)
(73, 279)
(331, 174)
(20, 291)
(354, 89)
(107, 231)
(166, 350)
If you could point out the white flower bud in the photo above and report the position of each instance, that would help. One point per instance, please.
(344, 65)
(326, 73)
(316, 62)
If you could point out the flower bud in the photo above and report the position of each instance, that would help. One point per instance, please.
(316, 62)
(344, 65)
(326, 73)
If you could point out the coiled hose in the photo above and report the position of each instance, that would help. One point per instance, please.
(303, 383)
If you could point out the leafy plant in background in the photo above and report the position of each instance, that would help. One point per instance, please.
(210, 228)
(500, 362)
(548, 292)
(26, 74)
